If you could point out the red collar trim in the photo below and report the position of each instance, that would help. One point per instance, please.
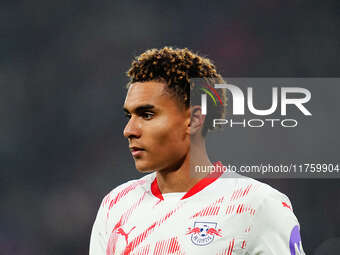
(155, 189)
(197, 187)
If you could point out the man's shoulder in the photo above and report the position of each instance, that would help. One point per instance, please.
(251, 190)
(273, 223)
(128, 188)
(146, 179)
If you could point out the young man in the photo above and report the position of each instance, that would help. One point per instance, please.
(171, 210)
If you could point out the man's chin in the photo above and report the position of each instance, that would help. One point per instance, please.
(144, 168)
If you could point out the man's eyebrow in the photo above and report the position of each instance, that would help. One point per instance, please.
(140, 108)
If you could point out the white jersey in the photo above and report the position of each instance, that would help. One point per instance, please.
(225, 215)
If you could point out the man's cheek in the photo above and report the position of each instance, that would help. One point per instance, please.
(161, 137)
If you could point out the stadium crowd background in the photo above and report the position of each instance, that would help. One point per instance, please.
(62, 75)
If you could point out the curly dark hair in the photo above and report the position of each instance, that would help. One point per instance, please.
(178, 68)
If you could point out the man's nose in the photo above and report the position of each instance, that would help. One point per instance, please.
(132, 129)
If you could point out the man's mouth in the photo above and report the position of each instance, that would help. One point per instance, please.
(136, 151)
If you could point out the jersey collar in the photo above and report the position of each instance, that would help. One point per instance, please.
(195, 189)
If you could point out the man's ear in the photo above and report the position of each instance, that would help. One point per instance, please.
(196, 120)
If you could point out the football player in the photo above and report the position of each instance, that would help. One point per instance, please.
(171, 210)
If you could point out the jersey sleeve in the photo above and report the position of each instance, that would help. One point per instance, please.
(97, 242)
(276, 230)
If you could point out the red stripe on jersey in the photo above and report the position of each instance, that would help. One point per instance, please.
(141, 237)
(240, 208)
(111, 245)
(248, 188)
(240, 192)
(158, 248)
(158, 202)
(243, 244)
(233, 196)
(166, 247)
(212, 209)
(144, 250)
(230, 209)
(174, 246)
(248, 229)
(231, 247)
(125, 191)
(106, 199)
(127, 214)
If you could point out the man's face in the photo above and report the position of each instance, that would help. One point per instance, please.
(158, 127)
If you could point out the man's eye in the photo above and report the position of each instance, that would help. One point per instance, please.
(147, 115)
(128, 115)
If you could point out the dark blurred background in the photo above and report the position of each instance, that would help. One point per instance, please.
(62, 76)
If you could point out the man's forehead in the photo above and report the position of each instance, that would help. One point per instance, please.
(147, 87)
(141, 93)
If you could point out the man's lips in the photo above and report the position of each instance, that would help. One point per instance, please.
(136, 151)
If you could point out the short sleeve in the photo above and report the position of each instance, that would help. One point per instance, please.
(276, 230)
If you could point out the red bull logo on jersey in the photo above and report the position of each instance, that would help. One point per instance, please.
(203, 233)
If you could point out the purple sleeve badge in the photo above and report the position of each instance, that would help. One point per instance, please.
(295, 244)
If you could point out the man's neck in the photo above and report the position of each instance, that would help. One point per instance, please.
(184, 177)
